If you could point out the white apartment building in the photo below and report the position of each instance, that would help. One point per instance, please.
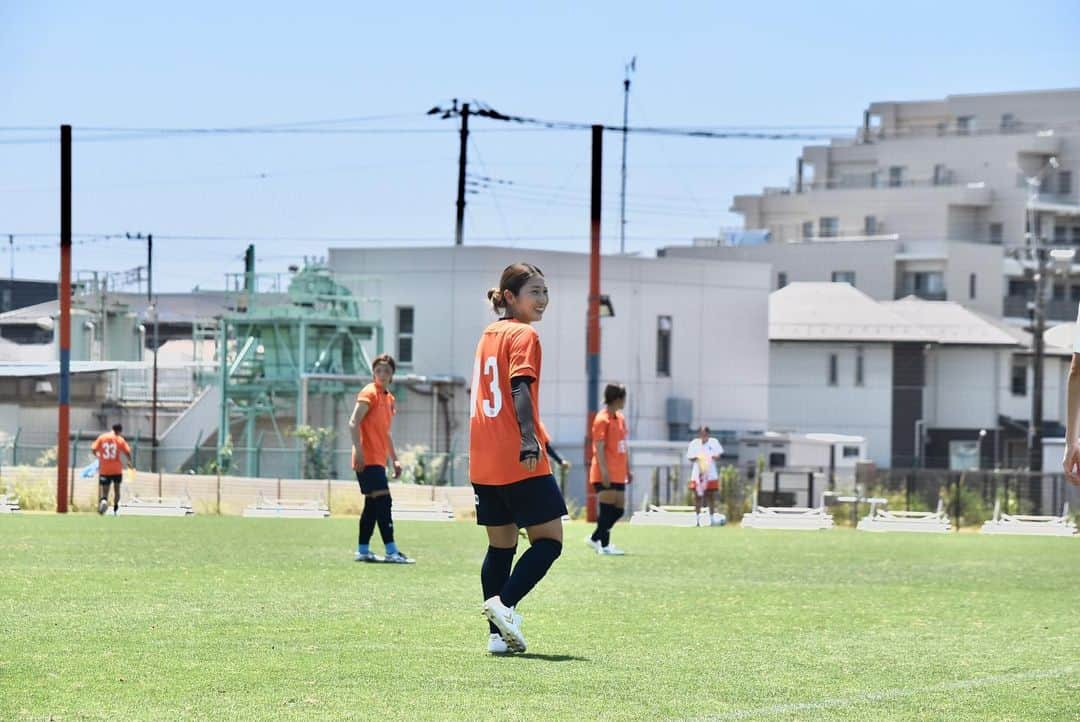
(918, 379)
(885, 269)
(917, 189)
(686, 335)
(952, 169)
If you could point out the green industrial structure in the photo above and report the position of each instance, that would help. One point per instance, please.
(275, 354)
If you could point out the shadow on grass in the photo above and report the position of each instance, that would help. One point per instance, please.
(549, 657)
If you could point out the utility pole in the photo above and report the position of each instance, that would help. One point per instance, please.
(629, 68)
(1038, 318)
(459, 225)
(64, 412)
(152, 312)
(11, 252)
(592, 326)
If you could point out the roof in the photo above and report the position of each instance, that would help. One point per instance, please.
(1059, 338)
(52, 368)
(836, 312)
(950, 323)
(172, 307)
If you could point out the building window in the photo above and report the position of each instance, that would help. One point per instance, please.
(929, 285)
(1019, 379)
(940, 174)
(965, 124)
(1060, 234)
(997, 233)
(971, 286)
(1008, 122)
(870, 225)
(1074, 293)
(829, 227)
(1059, 291)
(859, 372)
(851, 452)
(834, 370)
(404, 334)
(663, 346)
(1064, 178)
(896, 176)
(1076, 235)
(847, 277)
(808, 229)
(1020, 287)
(781, 279)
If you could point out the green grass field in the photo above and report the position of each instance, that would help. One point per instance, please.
(228, 618)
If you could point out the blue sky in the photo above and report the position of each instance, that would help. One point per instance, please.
(200, 64)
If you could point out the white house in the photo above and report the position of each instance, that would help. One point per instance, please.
(919, 379)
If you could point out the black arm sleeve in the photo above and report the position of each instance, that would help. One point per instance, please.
(552, 454)
(519, 389)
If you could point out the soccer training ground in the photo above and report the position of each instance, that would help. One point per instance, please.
(230, 618)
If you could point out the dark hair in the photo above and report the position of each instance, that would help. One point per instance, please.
(614, 392)
(117, 428)
(706, 429)
(513, 278)
(384, 358)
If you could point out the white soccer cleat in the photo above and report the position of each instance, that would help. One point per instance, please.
(507, 622)
(496, 645)
(103, 506)
(612, 551)
(593, 544)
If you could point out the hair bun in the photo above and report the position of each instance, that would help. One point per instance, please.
(495, 298)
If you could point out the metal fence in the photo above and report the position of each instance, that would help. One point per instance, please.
(419, 466)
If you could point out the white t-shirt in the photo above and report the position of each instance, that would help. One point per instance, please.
(710, 449)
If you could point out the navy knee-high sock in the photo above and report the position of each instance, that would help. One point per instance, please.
(384, 519)
(530, 569)
(605, 519)
(494, 572)
(616, 514)
(367, 522)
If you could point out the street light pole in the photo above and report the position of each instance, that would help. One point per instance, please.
(1038, 319)
(630, 68)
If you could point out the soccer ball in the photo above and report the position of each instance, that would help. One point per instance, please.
(718, 519)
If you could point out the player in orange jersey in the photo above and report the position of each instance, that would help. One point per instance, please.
(508, 454)
(372, 447)
(108, 448)
(610, 470)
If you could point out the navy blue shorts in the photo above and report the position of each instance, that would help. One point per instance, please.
(598, 487)
(372, 479)
(526, 503)
(111, 479)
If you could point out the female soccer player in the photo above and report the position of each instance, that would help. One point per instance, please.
(508, 458)
(610, 470)
(372, 446)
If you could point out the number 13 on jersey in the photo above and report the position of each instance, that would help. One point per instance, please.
(493, 401)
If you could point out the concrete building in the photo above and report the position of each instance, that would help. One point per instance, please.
(675, 333)
(970, 274)
(930, 170)
(919, 379)
(930, 199)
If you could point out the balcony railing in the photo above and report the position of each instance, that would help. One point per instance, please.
(1016, 306)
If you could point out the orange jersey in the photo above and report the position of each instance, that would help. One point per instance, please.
(107, 449)
(375, 426)
(507, 349)
(610, 429)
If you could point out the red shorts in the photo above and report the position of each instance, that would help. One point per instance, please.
(710, 485)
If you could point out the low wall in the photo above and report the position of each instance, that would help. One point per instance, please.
(227, 494)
